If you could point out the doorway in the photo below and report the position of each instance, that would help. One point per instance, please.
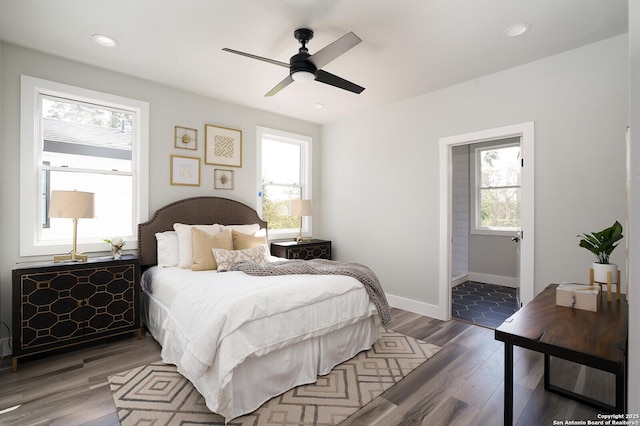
(524, 132)
(485, 187)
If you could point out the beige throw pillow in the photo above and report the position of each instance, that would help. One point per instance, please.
(243, 241)
(245, 229)
(203, 243)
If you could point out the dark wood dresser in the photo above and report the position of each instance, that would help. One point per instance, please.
(305, 250)
(62, 304)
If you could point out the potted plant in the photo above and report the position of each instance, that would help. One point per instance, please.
(602, 245)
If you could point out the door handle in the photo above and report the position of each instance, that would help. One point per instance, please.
(515, 239)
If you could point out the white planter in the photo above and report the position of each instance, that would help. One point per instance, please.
(600, 272)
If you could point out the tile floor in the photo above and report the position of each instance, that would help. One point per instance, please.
(483, 304)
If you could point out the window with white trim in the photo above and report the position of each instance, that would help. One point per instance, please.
(284, 170)
(77, 139)
(497, 184)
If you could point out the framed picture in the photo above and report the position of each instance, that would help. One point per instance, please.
(185, 170)
(223, 147)
(222, 179)
(185, 138)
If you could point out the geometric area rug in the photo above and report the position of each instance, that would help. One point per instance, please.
(157, 394)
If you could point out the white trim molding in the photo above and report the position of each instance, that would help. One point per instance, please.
(30, 206)
(525, 131)
(414, 306)
(493, 279)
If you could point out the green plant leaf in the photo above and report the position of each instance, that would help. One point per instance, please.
(602, 243)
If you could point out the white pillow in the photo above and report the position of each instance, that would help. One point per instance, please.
(245, 229)
(185, 249)
(167, 249)
(224, 258)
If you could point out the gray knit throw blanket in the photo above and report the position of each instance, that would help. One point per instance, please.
(323, 267)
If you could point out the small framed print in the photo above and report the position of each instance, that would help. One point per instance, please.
(223, 146)
(185, 138)
(222, 179)
(185, 170)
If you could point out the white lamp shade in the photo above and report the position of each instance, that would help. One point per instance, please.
(71, 204)
(303, 76)
(300, 208)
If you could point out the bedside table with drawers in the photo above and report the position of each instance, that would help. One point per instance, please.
(305, 250)
(57, 305)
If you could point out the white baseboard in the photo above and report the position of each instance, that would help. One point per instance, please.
(4, 347)
(414, 306)
(459, 280)
(493, 279)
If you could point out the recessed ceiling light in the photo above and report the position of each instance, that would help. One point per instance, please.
(104, 40)
(318, 106)
(517, 30)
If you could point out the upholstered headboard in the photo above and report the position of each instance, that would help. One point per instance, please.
(191, 211)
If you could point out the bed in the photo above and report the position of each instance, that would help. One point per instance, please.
(240, 339)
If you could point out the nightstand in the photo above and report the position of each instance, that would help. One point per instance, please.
(63, 304)
(305, 250)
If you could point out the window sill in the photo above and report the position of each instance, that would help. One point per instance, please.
(495, 232)
(44, 249)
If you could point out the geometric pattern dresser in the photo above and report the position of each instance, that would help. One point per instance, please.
(305, 250)
(61, 304)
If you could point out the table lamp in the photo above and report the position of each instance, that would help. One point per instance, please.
(300, 208)
(72, 205)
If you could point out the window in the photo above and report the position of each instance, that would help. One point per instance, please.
(284, 170)
(73, 138)
(497, 200)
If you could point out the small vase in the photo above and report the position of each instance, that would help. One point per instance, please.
(116, 252)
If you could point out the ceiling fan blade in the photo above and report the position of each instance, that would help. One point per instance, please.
(328, 53)
(284, 83)
(260, 58)
(334, 80)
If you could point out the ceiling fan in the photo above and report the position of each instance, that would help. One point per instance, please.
(306, 67)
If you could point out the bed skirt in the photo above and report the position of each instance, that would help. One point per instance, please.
(260, 378)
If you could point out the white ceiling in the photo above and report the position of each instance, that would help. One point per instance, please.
(409, 47)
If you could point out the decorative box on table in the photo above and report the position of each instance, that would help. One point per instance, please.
(578, 296)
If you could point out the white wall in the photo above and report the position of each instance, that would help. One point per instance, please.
(633, 237)
(168, 107)
(380, 181)
(4, 337)
(460, 211)
(493, 256)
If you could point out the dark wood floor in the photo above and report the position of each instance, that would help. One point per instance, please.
(461, 385)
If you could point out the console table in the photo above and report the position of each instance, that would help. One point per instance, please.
(57, 305)
(595, 339)
(305, 250)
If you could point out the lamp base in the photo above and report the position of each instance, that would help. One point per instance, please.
(72, 257)
(302, 239)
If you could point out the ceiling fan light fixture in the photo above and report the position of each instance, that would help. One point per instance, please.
(306, 67)
(303, 76)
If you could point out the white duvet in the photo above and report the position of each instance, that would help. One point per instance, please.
(218, 320)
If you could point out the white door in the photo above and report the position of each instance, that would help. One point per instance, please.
(516, 240)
